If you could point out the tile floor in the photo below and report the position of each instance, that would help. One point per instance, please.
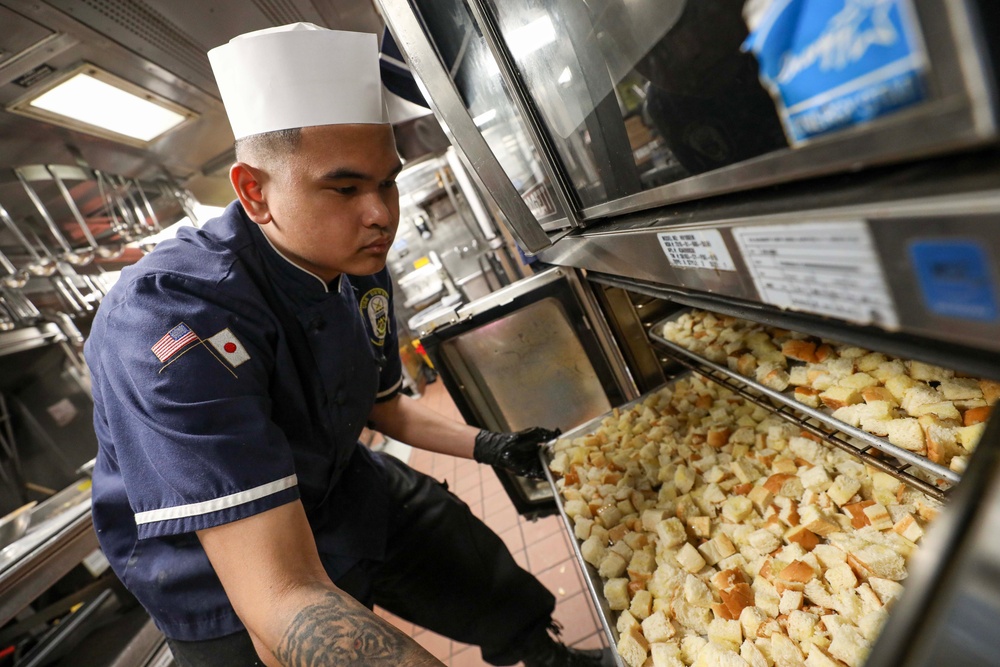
(541, 547)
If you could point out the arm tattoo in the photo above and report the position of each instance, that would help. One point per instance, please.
(334, 633)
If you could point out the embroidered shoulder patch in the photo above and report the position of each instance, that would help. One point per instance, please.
(375, 306)
(230, 348)
(173, 342)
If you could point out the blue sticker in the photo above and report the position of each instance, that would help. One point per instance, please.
(832, 64)
(955, 279)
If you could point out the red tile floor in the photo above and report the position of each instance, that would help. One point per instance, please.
(541, 547)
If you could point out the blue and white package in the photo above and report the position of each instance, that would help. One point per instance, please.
(833, 64)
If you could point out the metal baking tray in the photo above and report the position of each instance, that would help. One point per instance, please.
(872, 441)
(594, 583)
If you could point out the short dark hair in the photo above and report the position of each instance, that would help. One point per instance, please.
(267, 146)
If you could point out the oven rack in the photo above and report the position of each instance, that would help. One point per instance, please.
(817, 423)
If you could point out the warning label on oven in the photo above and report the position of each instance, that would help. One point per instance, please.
(697, 250)
(829, 268)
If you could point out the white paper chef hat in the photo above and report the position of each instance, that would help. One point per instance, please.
(298, 75)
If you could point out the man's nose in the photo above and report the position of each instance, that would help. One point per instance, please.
(376, 211)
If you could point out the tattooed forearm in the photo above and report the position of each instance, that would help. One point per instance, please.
(340, 632)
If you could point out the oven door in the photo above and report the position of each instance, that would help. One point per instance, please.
(537, 353)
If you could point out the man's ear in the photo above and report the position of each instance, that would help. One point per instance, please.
(248, 182)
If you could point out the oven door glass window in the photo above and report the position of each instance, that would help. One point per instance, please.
(637, 94)
(472, 67)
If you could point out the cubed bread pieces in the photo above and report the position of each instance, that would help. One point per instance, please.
(928, 372)
(906, 433)
(665, 654)
(955, 389)
(633, 647)
(898, 385)
(807, 396)
(616, 593)
(974, 416)
(991, 391)
(658, 628)
(690, 559)
(840, 396)
(802, 350)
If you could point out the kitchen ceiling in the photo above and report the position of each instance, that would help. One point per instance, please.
(159, 45)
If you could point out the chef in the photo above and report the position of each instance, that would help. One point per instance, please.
(233, 370)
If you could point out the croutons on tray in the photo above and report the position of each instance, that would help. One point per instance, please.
(725, 537)
(917, 406)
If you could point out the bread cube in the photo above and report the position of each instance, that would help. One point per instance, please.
(840, 577)
(670, 532)
(665, 654)
(616, 593)
(844, 488)
(790, 601)
(886, 590)
(737, 508)
(643, 562)
(870, 625)
(849, 646)
(752, 655)
(908, 527)
(817, 658)
(593, 550)
(625, 621)
(784, 651)
(725, 633)
(889, 369)
(928, 372)
(969, 436)
(941, 410)
(761, 498)
(858, 381)
(908, 434)
(764, 540)
(955, 389)
(816, 478)
(840, 396)
(696, 592)
(690, 559)
(878, 516)
(849, 414)
(651, 517)
(642, 604)
(805, 395)
(658, 628)
(898, 385)
(581, 527)
(919, 395)
(633, 647)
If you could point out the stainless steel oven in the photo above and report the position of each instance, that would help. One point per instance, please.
(590, 110)
(536, 353)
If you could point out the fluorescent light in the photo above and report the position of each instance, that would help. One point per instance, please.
(90, 100)
(485, 117)
(565, 77)
(531, 37)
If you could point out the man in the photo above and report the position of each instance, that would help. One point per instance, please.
(233, 370)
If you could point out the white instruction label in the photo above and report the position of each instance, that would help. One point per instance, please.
(697, 250)
(828, 268)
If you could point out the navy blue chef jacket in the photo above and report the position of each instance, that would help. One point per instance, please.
(228, 381)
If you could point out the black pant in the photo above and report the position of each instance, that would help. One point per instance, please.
(444, 570)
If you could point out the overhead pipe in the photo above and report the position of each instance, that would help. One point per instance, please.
(108, 251)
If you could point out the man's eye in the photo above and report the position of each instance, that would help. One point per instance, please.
(389, 184)
(349, 190)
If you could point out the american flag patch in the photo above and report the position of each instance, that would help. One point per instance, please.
(172, 341)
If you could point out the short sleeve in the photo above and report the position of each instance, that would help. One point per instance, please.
(184, 371)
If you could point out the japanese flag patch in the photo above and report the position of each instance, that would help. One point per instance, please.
(229, 347)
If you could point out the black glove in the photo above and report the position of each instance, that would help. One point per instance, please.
(516, 452)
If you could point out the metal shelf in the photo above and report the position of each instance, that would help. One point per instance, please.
(29, 338)
(789, 406)
(36, 571)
